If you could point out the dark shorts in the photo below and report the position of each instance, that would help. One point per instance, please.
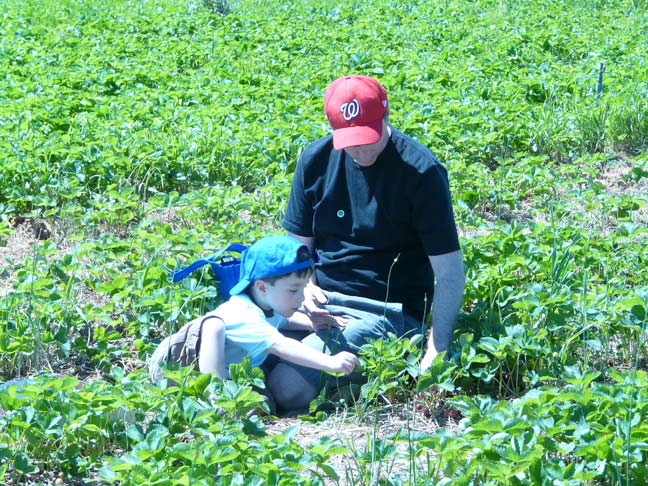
(182, 347)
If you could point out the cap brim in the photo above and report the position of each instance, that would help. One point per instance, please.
(361, 135)
(239, 287)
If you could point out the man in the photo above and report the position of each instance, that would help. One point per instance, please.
(374, 207)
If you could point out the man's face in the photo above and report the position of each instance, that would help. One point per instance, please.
(366, 155)
(286, 295)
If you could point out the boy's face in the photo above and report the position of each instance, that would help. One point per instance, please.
(286, 295)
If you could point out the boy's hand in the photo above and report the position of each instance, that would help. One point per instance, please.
(320, 318)
(344, 362)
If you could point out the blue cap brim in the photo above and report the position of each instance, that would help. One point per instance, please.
(240, 287)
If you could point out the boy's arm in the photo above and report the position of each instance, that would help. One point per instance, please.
(300, 354)
(211, 358)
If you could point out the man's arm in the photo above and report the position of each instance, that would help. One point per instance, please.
(314, 298)
(299, 322)
(309, 241)
(448, 296)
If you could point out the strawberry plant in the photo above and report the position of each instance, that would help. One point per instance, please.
(147, 134)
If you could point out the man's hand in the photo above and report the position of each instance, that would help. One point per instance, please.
(314, 298)
(344, 362)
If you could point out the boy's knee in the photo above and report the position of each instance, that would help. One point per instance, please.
(269, 399)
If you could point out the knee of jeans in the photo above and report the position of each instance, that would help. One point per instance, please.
(293, 387)
(358, 332)
(334, 340)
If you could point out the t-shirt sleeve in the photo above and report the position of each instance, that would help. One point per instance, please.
(432, 212)
(298, 218)
(247, 331)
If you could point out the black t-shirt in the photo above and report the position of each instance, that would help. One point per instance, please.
(363, 218)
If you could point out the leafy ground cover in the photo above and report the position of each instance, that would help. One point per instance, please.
(135, 135)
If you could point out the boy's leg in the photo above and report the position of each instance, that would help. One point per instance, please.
(294, 386)
(267, 366)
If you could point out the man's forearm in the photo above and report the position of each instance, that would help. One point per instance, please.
(448, 297)
(299, 322)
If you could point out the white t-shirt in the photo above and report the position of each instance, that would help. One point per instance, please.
(248, 332)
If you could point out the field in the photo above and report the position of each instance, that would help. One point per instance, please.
(138, 135)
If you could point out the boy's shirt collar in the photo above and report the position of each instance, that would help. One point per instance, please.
(246, 294)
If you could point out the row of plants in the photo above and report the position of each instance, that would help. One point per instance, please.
(128, 430)
(545, 276)
(167, 96)
(588, 430)
(147, 133)
(544, 301)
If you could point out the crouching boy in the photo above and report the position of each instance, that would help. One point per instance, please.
(274, 272)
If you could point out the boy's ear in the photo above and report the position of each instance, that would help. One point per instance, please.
(260, 286)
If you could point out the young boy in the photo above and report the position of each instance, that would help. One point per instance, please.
(274, 272)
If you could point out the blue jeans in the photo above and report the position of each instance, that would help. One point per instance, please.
(295, 386)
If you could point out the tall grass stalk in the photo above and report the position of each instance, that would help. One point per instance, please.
(37, 357)
(375, 472)
(9, 305)
(583, 310)
(411, 456)
(642, 342)
(375, 448)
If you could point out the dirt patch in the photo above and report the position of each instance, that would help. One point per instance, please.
(616, 177)
(23, 241)
(361, 436)
(18, 245)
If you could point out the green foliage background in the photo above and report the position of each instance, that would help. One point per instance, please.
(150, 132)
(169, 96)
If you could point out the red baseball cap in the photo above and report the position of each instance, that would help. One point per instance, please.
(354, 106)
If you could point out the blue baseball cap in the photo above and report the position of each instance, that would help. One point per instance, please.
(272, 256)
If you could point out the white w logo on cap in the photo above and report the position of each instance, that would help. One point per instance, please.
(350, 110)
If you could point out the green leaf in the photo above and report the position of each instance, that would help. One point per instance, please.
(135, 432)
(574, 376)
(23, 465)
